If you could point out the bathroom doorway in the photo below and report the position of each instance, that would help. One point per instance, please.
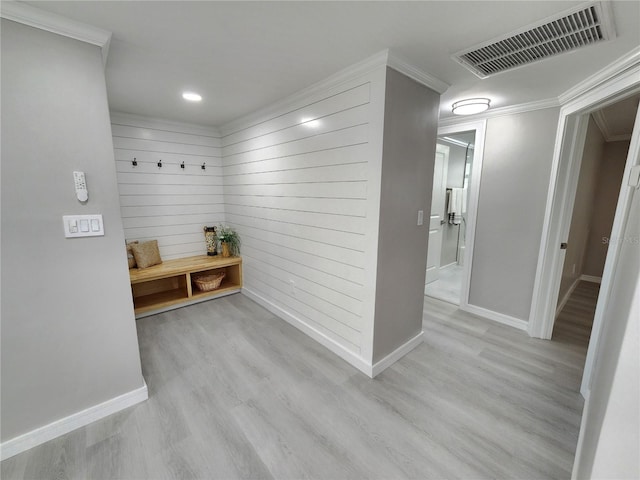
(453, 213)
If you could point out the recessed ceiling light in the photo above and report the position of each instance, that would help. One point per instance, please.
(191, 96)
(470, 106)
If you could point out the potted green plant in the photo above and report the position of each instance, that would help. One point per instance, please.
(229, 241)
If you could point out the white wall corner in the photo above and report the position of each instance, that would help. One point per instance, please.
(397, 354)
(65, 425)
(54, 23)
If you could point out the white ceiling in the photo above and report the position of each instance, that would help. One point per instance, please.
(242, 56)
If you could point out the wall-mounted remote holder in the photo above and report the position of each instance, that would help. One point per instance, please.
(83, 226)
(80, 182)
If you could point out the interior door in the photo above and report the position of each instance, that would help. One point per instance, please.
(437, 217)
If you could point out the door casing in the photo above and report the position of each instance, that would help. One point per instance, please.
(570, 138)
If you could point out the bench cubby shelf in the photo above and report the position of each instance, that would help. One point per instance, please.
(170, 284)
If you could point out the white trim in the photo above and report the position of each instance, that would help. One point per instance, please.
(480, 127)
(565, 299)
(617, 231)
(65, 425)
(397, 354)
(380, 59)
(347, 355)
(596, 80)
(495, 316)
(567, 156)
(591, 278)
(420, 76)
(601, 122)
(54, 23)
(152, 122)
(567, 153)
(501, 111)
(442, 267)
(577, 460)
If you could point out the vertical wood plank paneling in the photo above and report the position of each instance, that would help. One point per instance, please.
(295, 188)
(169, 204)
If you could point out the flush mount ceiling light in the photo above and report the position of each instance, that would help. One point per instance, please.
(470, 106)
(191, 96)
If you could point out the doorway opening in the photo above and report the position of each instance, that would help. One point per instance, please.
(454, 157)
(573, 127)
(456, 181)
(599, 181)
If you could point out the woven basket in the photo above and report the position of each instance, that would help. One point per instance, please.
(206, 283)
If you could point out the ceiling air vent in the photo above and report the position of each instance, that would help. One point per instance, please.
(574, 29)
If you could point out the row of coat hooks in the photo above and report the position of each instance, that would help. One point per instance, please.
(135, 162)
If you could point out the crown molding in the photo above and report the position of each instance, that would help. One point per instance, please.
(601, 122)
(498, 112)
(416, 74)
(51, 22)
(627, 61)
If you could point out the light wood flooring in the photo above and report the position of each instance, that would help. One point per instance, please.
(238, 393)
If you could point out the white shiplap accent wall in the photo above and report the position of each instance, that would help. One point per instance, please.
(296, 187)
(169, 204)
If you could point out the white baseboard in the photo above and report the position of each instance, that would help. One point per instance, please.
(565, 299)
(55, 429)
(347, 355)
(591, 278)
(495, 316)
(397, 354)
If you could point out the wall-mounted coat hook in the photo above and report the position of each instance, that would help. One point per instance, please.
(203, 167)
(160, 164)
(134, 162)
(182, 165)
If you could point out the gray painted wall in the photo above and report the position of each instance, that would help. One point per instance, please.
(68, 330)
(579, 231)
(408, 155)
(604, 207)
(515, 180)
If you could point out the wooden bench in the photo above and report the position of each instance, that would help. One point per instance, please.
(170, 284)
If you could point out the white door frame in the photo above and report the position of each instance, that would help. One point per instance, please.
(480, 127)
(567, 157)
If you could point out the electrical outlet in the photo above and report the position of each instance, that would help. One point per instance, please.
(292, 287)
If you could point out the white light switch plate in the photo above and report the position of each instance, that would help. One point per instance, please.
(83, 226)
(420, 217)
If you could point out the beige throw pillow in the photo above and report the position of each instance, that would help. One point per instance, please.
(130, 258)
(146, 253)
